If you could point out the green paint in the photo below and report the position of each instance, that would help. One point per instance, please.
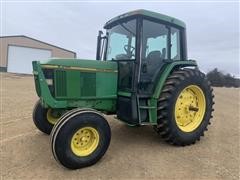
(73, 86)
(81, 63)
(77, 88)
(167, 71)
(43, 90)
(152, 113)
(97, 90)
(146, 13)
(107, 84)
(60, 85)
(87, 84)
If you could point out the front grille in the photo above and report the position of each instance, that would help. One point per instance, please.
(61, 86)
(71, 84)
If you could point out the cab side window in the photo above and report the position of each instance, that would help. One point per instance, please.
(175, 44)
(154, 40)
(154, 51)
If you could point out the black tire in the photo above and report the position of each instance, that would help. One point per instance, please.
(64, 131)
(167, 126)
(40, 118)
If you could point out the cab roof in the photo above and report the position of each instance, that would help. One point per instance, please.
(146, 13)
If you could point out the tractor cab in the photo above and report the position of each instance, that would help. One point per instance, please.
(142, 43)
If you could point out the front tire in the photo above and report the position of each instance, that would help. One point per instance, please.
(80, 139)
(43, 118)
(185, 107)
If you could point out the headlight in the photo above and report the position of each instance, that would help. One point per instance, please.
(49, 82)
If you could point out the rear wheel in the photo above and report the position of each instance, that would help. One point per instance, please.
(44, 118)
(184, 107)
(80, 139)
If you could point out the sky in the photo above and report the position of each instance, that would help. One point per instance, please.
(212, 27)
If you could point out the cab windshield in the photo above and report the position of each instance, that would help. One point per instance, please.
(121, 41)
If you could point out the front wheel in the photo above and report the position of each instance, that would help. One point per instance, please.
(43, 118)
(80, 139)
(184, 107)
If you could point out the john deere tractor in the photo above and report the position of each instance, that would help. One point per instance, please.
(141, 74)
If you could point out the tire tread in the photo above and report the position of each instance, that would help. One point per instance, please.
(164, 128)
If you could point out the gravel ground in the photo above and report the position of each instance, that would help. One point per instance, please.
(134, 153)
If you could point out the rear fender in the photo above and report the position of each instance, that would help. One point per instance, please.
(167, 71)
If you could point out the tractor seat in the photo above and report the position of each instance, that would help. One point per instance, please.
(153, 55)
(153, 62)
(122, 57)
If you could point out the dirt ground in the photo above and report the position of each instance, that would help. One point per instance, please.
(134, 153)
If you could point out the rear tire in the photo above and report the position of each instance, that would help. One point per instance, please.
(80, 139)
(184, 89)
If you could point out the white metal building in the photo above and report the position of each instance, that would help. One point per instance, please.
(18, 52)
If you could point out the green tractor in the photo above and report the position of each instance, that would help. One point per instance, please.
(141, 74)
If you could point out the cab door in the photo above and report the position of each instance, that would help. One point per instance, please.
(155, 53)
(126, 97)
(121, 48)
(160, 46)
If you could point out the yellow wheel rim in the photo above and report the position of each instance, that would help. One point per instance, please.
(85, 141)
(51, 119)
(190, 108)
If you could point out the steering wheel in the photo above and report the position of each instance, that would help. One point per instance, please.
(132, 49)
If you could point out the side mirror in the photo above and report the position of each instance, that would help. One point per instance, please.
(99, 44)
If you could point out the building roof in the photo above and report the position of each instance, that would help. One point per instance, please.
(23, 36)
(146, 13)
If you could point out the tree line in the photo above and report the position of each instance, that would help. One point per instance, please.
(219, 79)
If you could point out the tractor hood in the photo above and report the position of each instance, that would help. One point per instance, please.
(81, 64)
(76, 83)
